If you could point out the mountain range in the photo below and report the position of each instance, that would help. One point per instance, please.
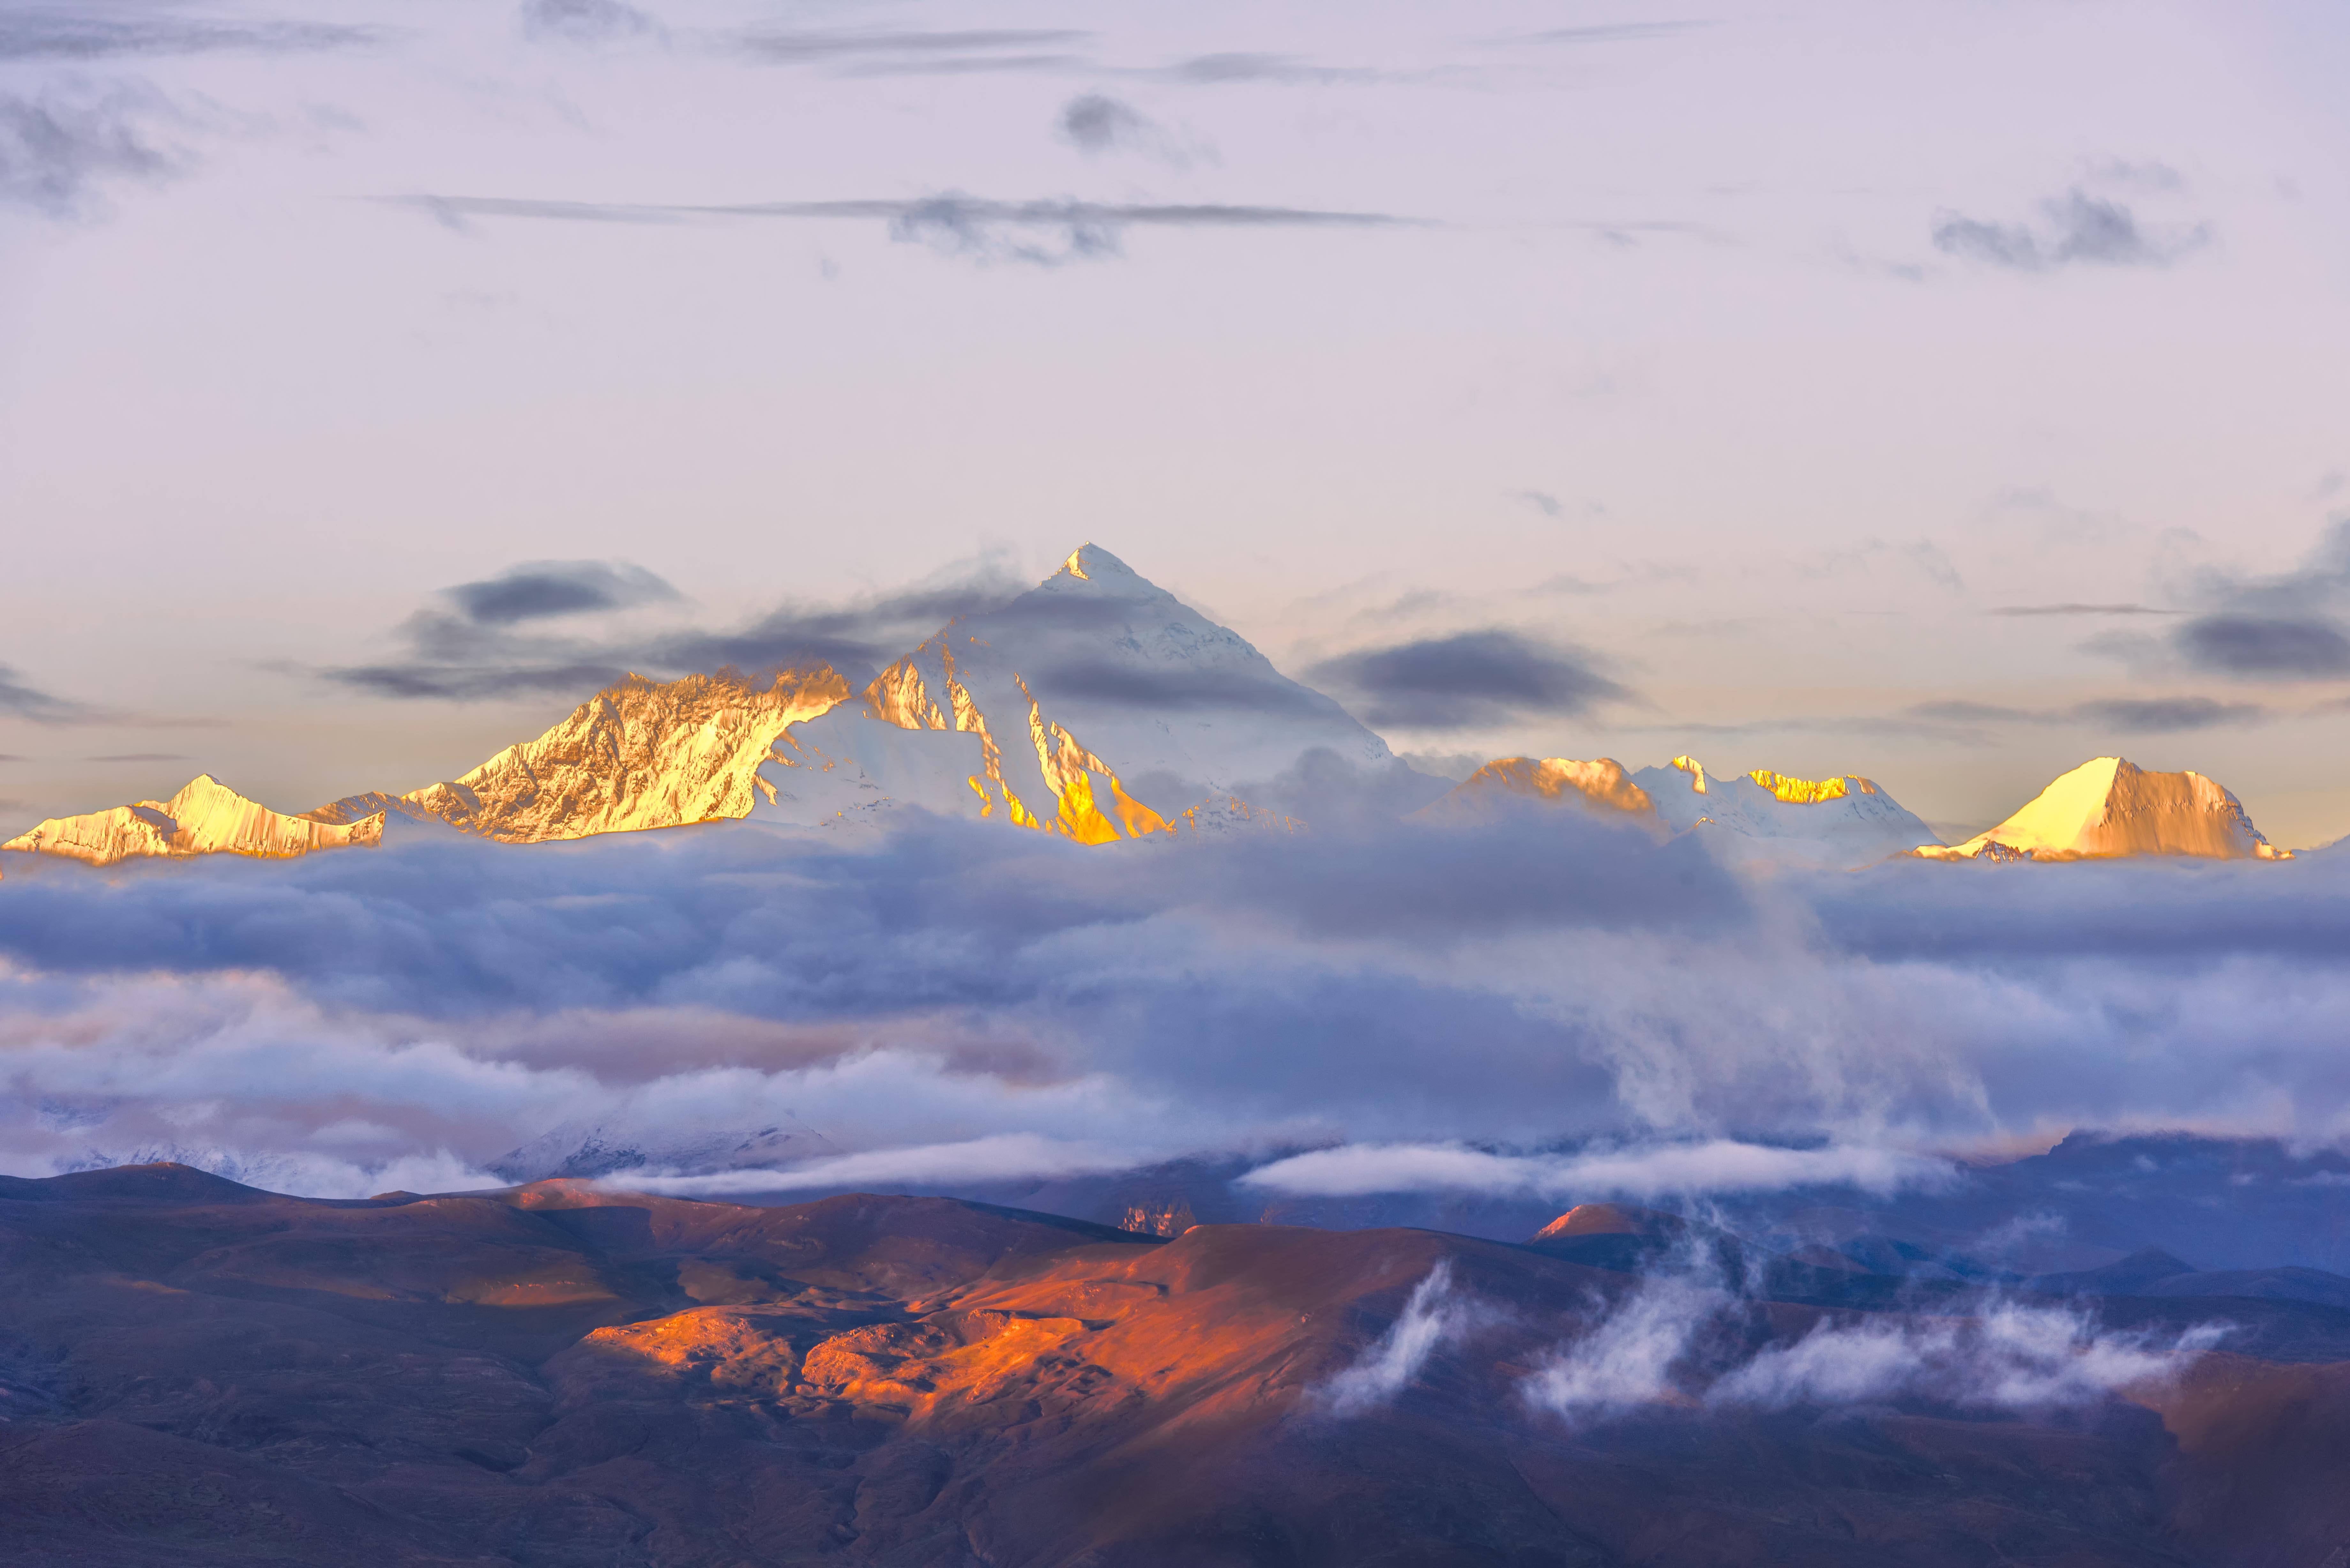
(198, 1373)
(1099, 707)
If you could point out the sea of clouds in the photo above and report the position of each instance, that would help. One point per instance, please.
(1542, 1004)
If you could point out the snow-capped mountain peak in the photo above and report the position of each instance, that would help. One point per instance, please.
(1096, 705)
(1764, 816)
(2109, 807)
(205, 817)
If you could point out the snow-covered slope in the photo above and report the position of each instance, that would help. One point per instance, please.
(2109, 807)
(1096, 705)
(206, 817)
(1602, 784)
(605, 1148)
(1763, 818)
(642, 754)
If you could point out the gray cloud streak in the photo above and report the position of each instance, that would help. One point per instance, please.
(22, 701)
(1045, 233)
(2075, 228)
(59, 34)
(941, 53)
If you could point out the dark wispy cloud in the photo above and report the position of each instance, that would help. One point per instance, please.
(19, 701)
(1097, 123)
(2287, 627)
(488, 639)
(585, 21)
(87, 33)
(2073, 228)
(2291, 647)
(2073, 609)
(2118, 716)
(2165, 715)
(1469, 678)
(537, 589)
(856, 52)
(1044, 232)
(60, 149)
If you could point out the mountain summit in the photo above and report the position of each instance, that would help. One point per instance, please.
(1097, 705)
(2109, 807)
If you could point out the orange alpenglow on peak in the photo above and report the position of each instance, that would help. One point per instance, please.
(2108, 808)
(1811, 791)
(1603, 783)
(206, 817)
(1599, 1219)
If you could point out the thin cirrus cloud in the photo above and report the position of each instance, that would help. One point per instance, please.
(1470, 679)
(1611, 32)
(854, 52)
(1041, 233)
(1233, 65)
(88, 33)
(2119, 715)
(2075, 228)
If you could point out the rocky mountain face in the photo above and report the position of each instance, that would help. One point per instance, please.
(1603, 786)
(2109, 807)
(206, 817)
(195, 1372)
(640, 754)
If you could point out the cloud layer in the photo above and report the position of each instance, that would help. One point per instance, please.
(1544, 1006)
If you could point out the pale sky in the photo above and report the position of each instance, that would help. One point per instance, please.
(1757, 357)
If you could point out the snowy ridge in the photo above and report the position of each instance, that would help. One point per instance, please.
(594, 1149)
(1763, 817)
(206, 817)
(642, 754)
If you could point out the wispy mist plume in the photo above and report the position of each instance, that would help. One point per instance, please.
(1683, 1338)
(1633, 1356)
(1433, 1316)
